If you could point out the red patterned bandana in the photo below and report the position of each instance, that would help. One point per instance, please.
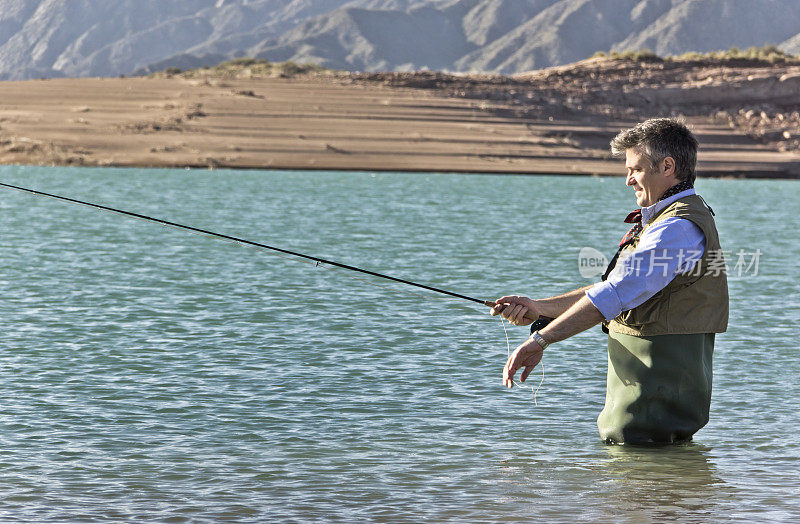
(635, 216)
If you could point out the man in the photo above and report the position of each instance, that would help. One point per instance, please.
(661, 301)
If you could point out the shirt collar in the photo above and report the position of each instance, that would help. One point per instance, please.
(650, 211)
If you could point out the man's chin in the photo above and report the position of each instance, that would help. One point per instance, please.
(642, 200)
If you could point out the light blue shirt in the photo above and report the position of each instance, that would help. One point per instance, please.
(668, 248)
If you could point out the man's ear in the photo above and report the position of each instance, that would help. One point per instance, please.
(668, 166)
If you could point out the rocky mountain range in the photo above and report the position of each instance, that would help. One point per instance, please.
(76, 38)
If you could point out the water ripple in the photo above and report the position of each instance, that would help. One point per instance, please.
(151, 374)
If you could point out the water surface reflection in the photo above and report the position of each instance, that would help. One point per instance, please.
(653, 483)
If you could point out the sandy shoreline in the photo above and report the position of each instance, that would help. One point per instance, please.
(318, 122)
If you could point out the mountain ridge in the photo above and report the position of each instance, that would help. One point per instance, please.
(78, 38)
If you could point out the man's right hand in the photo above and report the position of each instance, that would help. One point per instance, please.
(519, 310)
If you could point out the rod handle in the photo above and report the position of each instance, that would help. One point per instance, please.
(538, 323)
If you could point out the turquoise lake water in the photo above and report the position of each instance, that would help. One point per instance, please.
(150, 373)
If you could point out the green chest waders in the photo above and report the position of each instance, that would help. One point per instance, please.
(658, 388)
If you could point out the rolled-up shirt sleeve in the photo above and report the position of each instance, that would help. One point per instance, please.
(667, 248)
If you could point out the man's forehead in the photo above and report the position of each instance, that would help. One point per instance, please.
(633, 156)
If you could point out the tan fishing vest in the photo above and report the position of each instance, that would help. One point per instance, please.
(693, 302)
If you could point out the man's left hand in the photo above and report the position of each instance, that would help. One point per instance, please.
(527, 356)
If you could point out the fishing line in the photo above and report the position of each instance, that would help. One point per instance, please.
(522, 386)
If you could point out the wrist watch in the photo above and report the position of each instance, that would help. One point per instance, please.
(539, 339)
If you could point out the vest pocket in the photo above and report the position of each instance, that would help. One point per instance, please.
(652, 310)
(686, 308)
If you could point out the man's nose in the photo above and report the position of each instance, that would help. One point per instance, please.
(628, 179)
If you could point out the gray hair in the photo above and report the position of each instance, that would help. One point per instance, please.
(660, 138)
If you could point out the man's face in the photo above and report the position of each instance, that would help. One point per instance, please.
(648, 182)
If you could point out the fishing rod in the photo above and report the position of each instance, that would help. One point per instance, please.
(538, 323)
